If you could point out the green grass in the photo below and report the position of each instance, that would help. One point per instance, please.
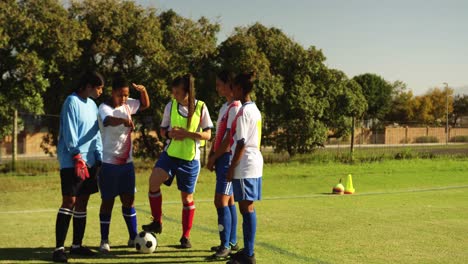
(403, 212)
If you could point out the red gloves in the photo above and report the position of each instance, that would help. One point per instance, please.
(81, 170)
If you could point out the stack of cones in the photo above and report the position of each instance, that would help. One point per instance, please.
(338, 189)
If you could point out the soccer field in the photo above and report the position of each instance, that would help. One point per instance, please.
(408, 211)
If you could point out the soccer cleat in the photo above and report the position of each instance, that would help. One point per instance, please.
(242, 258)
(82, 251)
(154, 227)
(185, 243)
(233, 247)
(222, 253)
(104, 247)
(60, 256)
(131, 243)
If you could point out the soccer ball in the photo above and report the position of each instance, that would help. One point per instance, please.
(146, 242)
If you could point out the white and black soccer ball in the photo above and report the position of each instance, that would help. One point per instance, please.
(146, 242)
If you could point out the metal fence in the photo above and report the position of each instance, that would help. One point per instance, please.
(35, 144)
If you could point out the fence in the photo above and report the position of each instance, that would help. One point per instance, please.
(36, 150)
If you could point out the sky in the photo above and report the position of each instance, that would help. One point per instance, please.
(423, 43)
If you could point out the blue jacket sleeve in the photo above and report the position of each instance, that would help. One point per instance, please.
(70, 127)
(98, 151)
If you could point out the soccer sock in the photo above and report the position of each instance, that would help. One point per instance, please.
(79, 225)
(188, 213)
(155, 199)
(249, 227)
(129, 215)
(224, 225)
(233, 235)
(105, 220)
(61, 226)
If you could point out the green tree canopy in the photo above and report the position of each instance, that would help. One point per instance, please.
(378, 94)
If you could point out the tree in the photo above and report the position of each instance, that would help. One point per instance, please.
(421, 110)
(378, 94)
(438, 98)
(36, 40)
(460, 108)
(295, 90)
(401, 102)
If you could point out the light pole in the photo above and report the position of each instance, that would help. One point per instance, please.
(447, 114)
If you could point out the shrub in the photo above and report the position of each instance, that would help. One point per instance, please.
(459, 139)
(426, 139)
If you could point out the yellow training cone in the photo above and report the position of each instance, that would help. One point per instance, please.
(349, 189)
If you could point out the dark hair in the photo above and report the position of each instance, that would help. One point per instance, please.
(188, 84)
(225, 76)
(92, 78)
(119, 81)
(245, 81)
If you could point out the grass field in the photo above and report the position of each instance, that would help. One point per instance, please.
(406, 211)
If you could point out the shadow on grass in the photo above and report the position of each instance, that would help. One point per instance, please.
(125, 255)
(40, 253)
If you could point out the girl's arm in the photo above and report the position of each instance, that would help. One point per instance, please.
(117, 121)
(181, 133)
(224, 147)
(238, 153)
(144, 98)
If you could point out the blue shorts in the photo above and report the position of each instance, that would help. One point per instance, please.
(186, 172)
(222, 167)
(249, 189)
(115, 180)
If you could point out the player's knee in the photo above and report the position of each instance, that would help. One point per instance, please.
(246, 206)
(127, 200)
(106, 206)
(68, 202)
(156, 179)
(187, 197)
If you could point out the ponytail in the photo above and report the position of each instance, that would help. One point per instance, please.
(188, 84)
(191, 98)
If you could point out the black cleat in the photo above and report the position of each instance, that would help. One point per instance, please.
(222, 253)
(242, 258)
(82, 251)
(185, 243)
(60, 256)
(154, 227)
(233, 247)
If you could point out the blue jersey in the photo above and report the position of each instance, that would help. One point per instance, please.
(79, 132)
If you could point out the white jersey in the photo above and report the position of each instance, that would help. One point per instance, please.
(247, 129)
(116, 140)
(223, 126)
(205, 122)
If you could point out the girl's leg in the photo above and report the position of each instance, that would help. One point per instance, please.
(188, 212)
(79, 219)
(224, 219)
(129, 214)
(157, 178)
(105, 214)
(249, 225)
(233, 234)
(64, 216)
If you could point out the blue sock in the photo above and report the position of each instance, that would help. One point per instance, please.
(105, 223)
(129, 215)
(249, 227)
(233, 236)
(224, 225)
